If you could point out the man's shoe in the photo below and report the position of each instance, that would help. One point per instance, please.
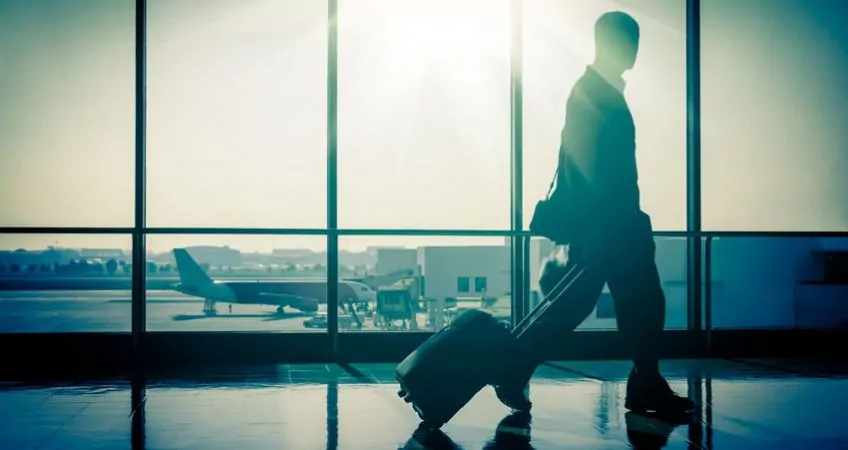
(651, 393)
(515, 398)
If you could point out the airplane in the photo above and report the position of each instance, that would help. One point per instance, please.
(300, 294)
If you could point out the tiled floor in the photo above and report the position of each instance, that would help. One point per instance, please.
(744, 404)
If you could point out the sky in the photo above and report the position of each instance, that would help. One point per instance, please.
(236, 128)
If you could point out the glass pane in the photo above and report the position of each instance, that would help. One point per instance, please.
(559, 44)
(67, 124)
(774, 95)
(420, 283)
(424, 114)
(237, 113)
(236, 283)
(65, 283)
(779, 283)
(671, 265)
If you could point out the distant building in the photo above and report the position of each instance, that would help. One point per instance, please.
(373, 249)
(354, 259)
(23, 258)
(467, 271)
(104, 254)
(292, 252)
(215, 256)
(391, 260)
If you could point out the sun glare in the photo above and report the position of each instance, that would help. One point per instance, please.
(428, 84)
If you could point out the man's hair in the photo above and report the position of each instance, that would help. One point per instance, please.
(614, 29)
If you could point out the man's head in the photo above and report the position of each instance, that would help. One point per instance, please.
(616, 41)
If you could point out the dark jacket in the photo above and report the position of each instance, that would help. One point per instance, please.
(598, 147)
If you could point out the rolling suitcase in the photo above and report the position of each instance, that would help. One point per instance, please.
(452, 366)
(448, 369)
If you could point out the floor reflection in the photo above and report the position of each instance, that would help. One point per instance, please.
(423, 438)
(332, 415)
(646, 432)
(576, 405)
(513, 432)
(138, 396)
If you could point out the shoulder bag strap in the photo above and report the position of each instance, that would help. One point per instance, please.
(561, 169)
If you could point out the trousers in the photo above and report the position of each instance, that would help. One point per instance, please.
(622, 257)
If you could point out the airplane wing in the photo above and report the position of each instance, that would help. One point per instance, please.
(297, 301)
(289, 297)
(305, 304)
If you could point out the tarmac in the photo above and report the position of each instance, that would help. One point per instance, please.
(51, 311)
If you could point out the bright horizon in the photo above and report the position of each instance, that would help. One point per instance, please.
(246, 244)
(236, 131)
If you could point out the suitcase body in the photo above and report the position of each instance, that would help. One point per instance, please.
(448, 369)
(453, 365)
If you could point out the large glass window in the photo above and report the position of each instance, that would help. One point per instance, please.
(236, 136)
(779, 282)
(423, 282)
(65, 283)
(424, 111)
(236, 283)
(67, 115)
(559, 44)
(237, 113)
(773, 109)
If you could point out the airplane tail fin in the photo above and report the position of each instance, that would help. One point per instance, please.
(191, 274)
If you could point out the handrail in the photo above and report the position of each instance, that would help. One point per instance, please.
(388, 232)
(764, 234)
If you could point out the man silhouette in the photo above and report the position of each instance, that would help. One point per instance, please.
(598, 158)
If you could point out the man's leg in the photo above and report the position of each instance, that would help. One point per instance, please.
(636, 288)
(577, 303)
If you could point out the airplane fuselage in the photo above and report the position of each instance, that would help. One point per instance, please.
(304, 295)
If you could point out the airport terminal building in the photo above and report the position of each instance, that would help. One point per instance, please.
(766, 284)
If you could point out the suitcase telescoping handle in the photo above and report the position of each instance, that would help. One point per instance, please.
(560, 289)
